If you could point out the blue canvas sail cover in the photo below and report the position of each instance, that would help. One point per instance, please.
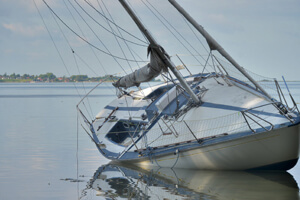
(144, 74)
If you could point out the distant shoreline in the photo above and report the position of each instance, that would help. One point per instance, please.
(28, 81)
(88, 81)
(31, 81)
(51, 78)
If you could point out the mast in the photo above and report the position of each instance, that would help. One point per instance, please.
(214, 45)
(163, 56)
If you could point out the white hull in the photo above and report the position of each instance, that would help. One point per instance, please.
(226, 139)
(279, 147)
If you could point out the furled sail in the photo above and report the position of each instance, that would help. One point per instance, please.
(144, 74)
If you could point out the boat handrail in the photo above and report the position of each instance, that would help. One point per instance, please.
(246, 115)
(280, 94)
(278, 105)
(87, 94)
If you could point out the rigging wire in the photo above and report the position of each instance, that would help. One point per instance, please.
(83, 34)
(91, 110)
(206, 63)
(77, 132)
(130, 50)
(115, 35)
(115, 23)
(146, 40)
(99, 38)
(197, 54)
(64, 64)
(206, 60)
(76, 63)
(61, 58)
(119, 47)
(210, 52)
(187, 23)
(103, 68)
(172, 31)
(86, 41)
(108, 22)
(111, 22)
(136, 15)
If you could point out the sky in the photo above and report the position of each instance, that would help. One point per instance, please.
(261, 35)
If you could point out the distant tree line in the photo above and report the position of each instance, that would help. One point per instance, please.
(50, 77)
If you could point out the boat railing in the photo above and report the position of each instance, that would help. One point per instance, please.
(282, 97)
(174, 132)
(250, 116)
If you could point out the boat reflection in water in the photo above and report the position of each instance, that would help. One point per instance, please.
(121, 181)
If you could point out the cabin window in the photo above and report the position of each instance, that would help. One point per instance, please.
(122, 132)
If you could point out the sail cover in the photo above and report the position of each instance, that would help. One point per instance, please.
(144, 74)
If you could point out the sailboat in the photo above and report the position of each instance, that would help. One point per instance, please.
(219, 118)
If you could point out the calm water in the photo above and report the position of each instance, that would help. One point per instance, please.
(39, 159)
